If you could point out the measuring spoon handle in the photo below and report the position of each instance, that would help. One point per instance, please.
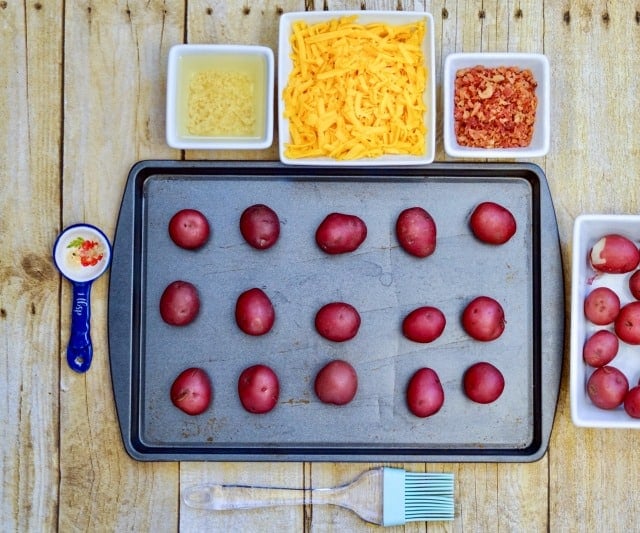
(80, 349)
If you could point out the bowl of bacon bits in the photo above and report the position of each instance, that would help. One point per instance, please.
(356, 88)
(496, 105)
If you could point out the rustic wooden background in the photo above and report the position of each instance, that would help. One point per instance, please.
(82, 98)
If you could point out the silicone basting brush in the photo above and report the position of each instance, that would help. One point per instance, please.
(384, 496)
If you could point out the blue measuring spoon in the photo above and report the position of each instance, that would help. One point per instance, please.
(82, 253)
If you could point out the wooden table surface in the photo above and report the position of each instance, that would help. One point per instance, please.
(82, 98)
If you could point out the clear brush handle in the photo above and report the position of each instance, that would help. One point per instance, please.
(229, 497)
(362, 496)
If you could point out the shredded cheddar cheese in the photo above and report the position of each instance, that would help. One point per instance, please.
(221, 104)
(355, 91)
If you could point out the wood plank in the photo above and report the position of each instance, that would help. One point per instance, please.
(254, 23)
(115, 57)
(330, 518)
(240, 23)
(264, 474)
(30, 122)
(513, 496)
(593, 168)
(73, 125)
(523, 491)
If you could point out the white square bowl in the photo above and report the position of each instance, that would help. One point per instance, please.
(539, 66)
(396, 18)
(587, 230)
(185, 60)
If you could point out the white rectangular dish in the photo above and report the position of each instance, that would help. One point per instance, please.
(253, 63)
(587, 230)
(285, 67)
(538, 64)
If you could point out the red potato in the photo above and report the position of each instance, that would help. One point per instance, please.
(632, 402)
(627, 323)
(336, 383)
(634, 284)
(601, 306)
(424, 324)
(483, 319)
(260, 226)
(189, 229)
(492, 223)
(191, 391)
(340, 233)
(416, 232)
(615, 254)
(600, 348)
(483, 382)
(607, 387)
(337, 321)
(255, 314)
(179, 303)
(258, 389)
(425, 395)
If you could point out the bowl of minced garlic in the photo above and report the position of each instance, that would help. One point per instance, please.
(220, 97)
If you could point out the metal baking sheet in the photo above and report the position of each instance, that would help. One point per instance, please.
(379, 279)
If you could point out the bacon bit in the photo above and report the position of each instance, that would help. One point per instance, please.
(494, 107)
(487, 93)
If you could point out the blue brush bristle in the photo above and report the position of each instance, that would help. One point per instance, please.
(415, 496)
(428, 496)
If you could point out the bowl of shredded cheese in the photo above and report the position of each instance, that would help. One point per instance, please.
(496, 105)
(220, 97)
(356, 88)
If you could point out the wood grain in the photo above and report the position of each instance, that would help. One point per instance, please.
(29, 285)
(114, 68)
(82, 88)
(593, 168)
(240, 23)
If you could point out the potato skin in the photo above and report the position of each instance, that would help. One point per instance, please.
(255, 314)
(258, 389)
(179, 303)
(627, 323)
(337, 321)
(483, 382)
(601, 306)
(336, 383)
(632, 402)
(615, 254)
(260, 226)
(492, 223)
(424, 324)
(416, 232)
(340, 233)
(634, 284)
(191, 391)
(607, 387)
(600, 348)
(189, 229)
(425, 395)
(483, 319)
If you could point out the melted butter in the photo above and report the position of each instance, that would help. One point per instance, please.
(253, 67)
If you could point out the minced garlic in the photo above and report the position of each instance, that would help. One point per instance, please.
(221, 104)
